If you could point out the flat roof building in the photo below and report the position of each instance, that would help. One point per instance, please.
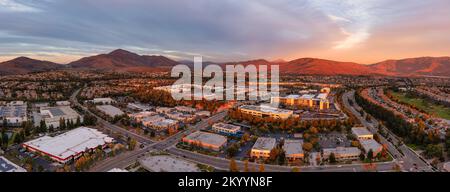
(362, 133)
(104, 101)
(141, 115)
(8, 166)
(206, 140)
(53, 115)
(371, 144)
(342, 153)
(266, 111)
(69, 145)
(319, 101)
(262, 147)
(226, 128)
(110, 110)
(138, 107)
(185, 109)
(293, 149)
(15, 113)
(159, 123)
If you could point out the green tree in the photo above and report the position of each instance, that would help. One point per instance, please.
(332, 158)
(370, 155)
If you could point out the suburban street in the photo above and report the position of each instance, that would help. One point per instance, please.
(409, 160)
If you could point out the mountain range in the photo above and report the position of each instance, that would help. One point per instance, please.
(122, 60)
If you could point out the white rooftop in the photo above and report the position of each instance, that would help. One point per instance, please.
(8, 166)
(370, 144)
(110, 110)
(264, 143)
(292, 147)
(166, 163)
(70, 143)
(360, 131)
(342, 150)
(209, 138)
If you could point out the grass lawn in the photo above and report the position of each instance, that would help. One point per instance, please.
(437, 110)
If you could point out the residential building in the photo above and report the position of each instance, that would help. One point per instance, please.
(262, 147)
(266, 111)
(206, 140)
(70, 145)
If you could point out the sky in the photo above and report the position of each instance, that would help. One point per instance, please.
(363, 31)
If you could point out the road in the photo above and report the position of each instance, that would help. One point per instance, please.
(403, 154)
(106, 124)
(127, 158)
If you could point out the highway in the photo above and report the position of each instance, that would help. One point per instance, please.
(409, 160)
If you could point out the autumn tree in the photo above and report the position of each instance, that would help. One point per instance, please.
(233, 166)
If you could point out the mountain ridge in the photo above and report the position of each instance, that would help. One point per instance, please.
(123, 60)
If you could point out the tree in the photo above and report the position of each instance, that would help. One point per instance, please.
(132, 144)
(261, 167)
(233, 166)
(232, 150)
(332, 158)
(246, 166)
(281, 157)
(307, 146)
(362, 156)
(78, 122)
(370, 155)
(296, 169)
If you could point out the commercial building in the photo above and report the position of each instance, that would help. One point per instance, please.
(62, 103)
(110, 110)
(15, 113)
(266, 111)
(185, 109)
(138, 107)
(226, 128)
(342, 153)
(319, 101)
(187, 118)
(206, 140)
(8, 166)
(262, 147)
(69, 145)
(159, 123)
(293, 149)
(141, 115)
(104, 101)
(371, 144)
(362, 133)
(53, 115)
(164, 109)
